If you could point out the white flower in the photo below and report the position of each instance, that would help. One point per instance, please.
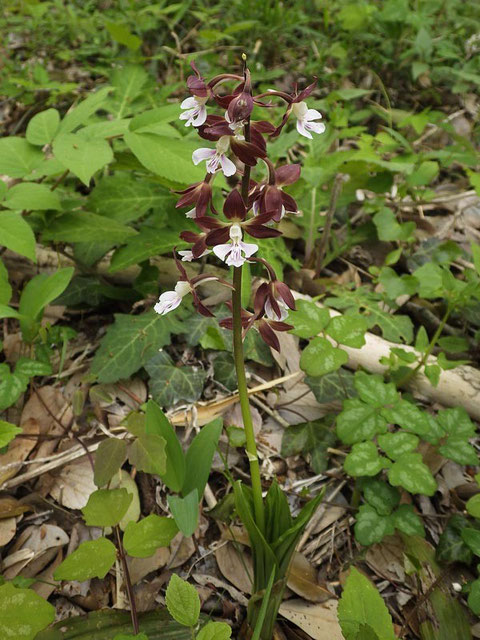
(170, 300)
(271, 314)
(231, 253)
(187, 255)
(305, 119)
(215, 157)
(196, 113)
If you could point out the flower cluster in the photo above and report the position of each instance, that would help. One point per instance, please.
(250, 208)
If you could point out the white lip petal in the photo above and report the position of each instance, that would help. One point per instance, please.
(189, 103)
(316, 127)
(168, 301)
(201, 116)
(228, 167)
(313, 114)
(302, 131)
(222, 250)
(248, 249)
(202, 154)
(235, 258)
(212, 164)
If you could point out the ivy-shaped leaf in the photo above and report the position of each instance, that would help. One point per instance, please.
(170, 383)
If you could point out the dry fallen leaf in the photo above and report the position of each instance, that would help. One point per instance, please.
(318, 620)
(141, 567)
(302, 580)
(18, 450)
(8, 527)
(235, 567)
(74, 484)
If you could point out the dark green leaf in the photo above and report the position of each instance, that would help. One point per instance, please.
(199, 457)
(158, 423)
(371, 527)
(451, 546)
(359, 421)
(170, 384)
(337, 385)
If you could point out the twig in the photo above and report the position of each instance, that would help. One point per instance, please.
(128, 582)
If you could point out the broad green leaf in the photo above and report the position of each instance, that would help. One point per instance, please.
(30, 368)
(395, 285)
(337, 385)
(389, 229)
(380, 495)
(106, 507)
(128, 82)
(185, 511)
(141, 539)
(473, 506)
(82, 157)
(165, 113)
(11, 388)
(308, 319)
(451, 546)
(215, 631)
(92, 559)
(423, 174)
(16, 234)
(224, 370)
(474, 597)
(147, 453)
(407, 521)
(410, 472)
(8, 432)
(81, 113)
(371, 527)
(158, 423)
(42, 127)
(363, 460)
(29, 195)
(430, 278)
(123, 480)
(396, 444)
(199, 457)
(84, 226)
(359, 421)
(362, 604)
(409, 417)
(457, 448)
(129, 343)
(320, 357)
(169, 158)
(170, 383)
(374, 391)
(41, 290)
(476, 255)
(109, 458)
(5, 287)
(23, 613)
(138, 248)
(18, 157)
(348, 330)
(122, 34)
(456, 422)
(182, 601)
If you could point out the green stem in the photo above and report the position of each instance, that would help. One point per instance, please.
(251, 445)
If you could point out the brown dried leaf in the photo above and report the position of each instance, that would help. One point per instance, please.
(18, 450)
(74, 484)
(302, 580)
(318, 620)
(236, 567)
(10, 507)
(8, 527)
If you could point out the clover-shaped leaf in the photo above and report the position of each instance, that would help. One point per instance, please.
(359, 421)
(308, 319)
(364, 460)
(410, 472)
(372, 527)
(321, 357)
(374, 391)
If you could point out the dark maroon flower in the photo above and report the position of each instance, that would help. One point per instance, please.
(216, 127)
(199, 195)
(270, 197)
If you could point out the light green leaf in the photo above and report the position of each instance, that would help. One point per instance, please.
(92, 559)
(215, 631)
(389, 229)
(410, 472)
(128, 82)
(362, 604)
(82, 157)
(106, 507)
(474, 597)
(371, 527)
(16, 234)
(29, 195)
(18, 157)
(456, 422)
(396, 444)
(348, 330)
(473, 506)
(359, 421)
(185, 511)
(147, 453)
(109, 458)
(407, 521)
(321, 357)
(8, 432)
(308, 319)
(363, 460)
(122, 34)
(23, 613)
(182, 601)
(457, 448)
(141, 539)
(5, 287)
(158, 423)
(42, 127)
(84, 226)
(81, 113)
(170, 383)
(199, 457)
(410, 417)
(374, 391)
(41, 290)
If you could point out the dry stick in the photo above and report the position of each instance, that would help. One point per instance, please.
(128, 582)
(322, 245)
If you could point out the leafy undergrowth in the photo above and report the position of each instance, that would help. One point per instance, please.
(374, 397)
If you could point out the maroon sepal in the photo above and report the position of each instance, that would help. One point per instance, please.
(196, 84)
(234, 207)
(287, 174)
(268, 334)
(218, 236)
(241, 106)
(198, 194)
(246, 152)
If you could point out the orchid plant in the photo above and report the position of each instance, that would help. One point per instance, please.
(250, 208)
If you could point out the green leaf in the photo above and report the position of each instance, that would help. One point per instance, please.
(147, 453)
(371, 527)
(29, 368)
(16, 234)
(5, 287)
(389, 229)
(81, 113)
(476, 254)
(42, 127)
(396, 444)
(122, 34)
(410, 418)
(82, 157)
(471, 537)
(409, 472)
(182, 601)
(430, 278)
(374, 391)
(41, 290)
(320, 357)
(141, 539)
(149, 242)
(185, 511)
(110, 456)
(11, 388)
(129, 343)
(337, 385)
(380, 495)
(473, 506)
(84, 226)
(18, 157)
(474, 597)
(23, 613)
(166, 157)
(170, 383)
(308, 319)
(456, 422)
(8, 432)
(215, 631)
(363, 460)
(158, 423)
(128, 82)
(29, 195)
(348, 330)
(407, 521)
(359, 421)
(456, 448)
(362, 604)
(224, 370)
(106, 507)
(451, 546)
(129, 636)
(92, 559)
(199, 457)
(424, 173)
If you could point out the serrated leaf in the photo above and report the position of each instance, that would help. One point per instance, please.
(8, 432)
(396, 444)
(371, 527)
(147, 453)
(456, 448)
(80, 156)
(29, 195)
(321, 357)
(308, 319)
(359, 421)
(42, 128)
(91, 559)
(456, 421)
(185, 511)
(16, 234)
(363, 460)
(380, 495)
(410, 472)
(407, 521)
(170, 384)
(374, 391)
(182, 601)
(106, 507)
(348, 330)
(23, 613)
(141, 539)
(84, 226)
(18, 157)
(411, 418)
(451, 546)
(110, 456)
(215, 631)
